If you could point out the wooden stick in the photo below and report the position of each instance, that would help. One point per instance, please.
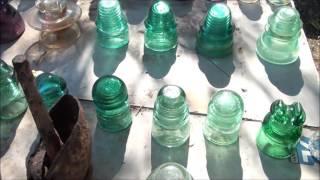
(40, 114)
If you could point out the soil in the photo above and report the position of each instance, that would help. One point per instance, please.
(310, 14)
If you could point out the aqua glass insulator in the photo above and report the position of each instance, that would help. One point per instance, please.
(160, 28)
(215, 37)
(12, 99)
(51, 88)
(279, 2)
(281, 129)
(225, 111)
(170, 171)
(110, 97)
(170, 117)
(112, 25)
(279, 44)
(12, 106)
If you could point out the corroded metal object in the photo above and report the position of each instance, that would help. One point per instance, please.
(73, 159)
(64, 151)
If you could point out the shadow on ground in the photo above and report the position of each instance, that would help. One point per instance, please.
(217, 71)
(287, 78)
(252, 11)
(108, 152)
(106, 61)
(275, 168)
(161, 154)
(158, 64)
(181, 8)
(223, 162)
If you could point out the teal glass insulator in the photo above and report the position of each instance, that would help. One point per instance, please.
(110, 97)
(215, 37)
(279, 2)
(225, 111)
(281, 129)
(13, 105)
(170, 171)
(160, 28)
(279, 44)
(112, 25)
(51, 88)
(170, 117)
(12, 99)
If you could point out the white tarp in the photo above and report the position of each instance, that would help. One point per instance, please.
(257, 82)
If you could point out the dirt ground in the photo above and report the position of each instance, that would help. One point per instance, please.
(310, 15)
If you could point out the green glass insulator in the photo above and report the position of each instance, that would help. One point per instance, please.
(12, 99)
(110, 97)
(279, 2)
(279, 44)
(160, 28)
(112, 25)
(170, 117)
(51, 88)
(224, 117)
(215, 37)
(170, 170)
(281, 129)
